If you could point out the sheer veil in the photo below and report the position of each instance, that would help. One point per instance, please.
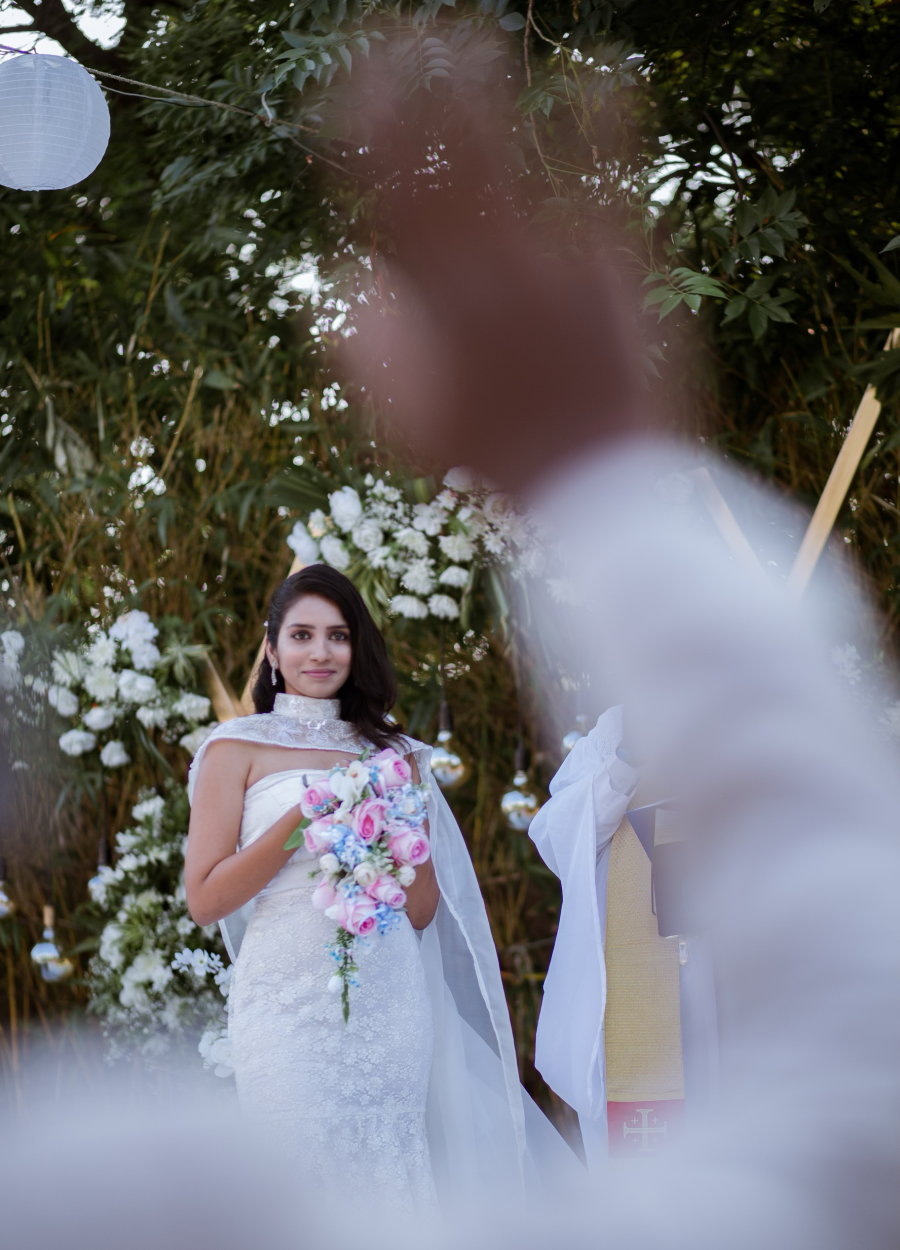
(484, 1130)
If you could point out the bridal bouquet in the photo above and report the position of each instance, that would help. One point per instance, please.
(366, 823)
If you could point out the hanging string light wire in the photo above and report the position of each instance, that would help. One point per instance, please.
(450, 765)
(520, 803)
(168, 95)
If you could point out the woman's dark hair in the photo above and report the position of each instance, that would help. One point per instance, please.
(369, 692)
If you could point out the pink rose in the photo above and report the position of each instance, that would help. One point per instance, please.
(386, 890)
(324, 896)
(317, 836)
(356, 915)
(368, 819)
(409, 847)
(391, 770)
(317, 798)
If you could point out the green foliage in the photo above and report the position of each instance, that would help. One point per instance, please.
(179, 308)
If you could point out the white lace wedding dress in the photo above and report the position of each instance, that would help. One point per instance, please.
(417, 1099)
(344, 1101)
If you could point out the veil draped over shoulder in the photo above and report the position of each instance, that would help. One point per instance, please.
(484, 1131)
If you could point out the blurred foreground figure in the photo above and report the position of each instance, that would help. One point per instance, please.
(491, 356)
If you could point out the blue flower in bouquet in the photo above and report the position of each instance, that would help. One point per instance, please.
(408, 806)
(386, 917)
(348, 846)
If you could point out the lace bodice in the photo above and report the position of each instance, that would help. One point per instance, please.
(265, 802)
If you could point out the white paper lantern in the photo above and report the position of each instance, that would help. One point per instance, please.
(54, 123)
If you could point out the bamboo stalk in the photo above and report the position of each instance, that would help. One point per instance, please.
(198, 373)
(836, 487)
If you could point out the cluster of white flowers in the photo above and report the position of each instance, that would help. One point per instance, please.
(13, 645)
(150, 991)
(865, 679)
(429, 553)
(117, 677)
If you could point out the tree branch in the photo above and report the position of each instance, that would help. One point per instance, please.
(51, 18)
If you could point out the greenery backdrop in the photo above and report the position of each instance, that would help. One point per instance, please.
(168, 387)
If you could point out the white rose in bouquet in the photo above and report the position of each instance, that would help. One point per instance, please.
(349, 786)
(329, 864)
(363, 874)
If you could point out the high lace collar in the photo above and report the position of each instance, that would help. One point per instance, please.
(301, 707)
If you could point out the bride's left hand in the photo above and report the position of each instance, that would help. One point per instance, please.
(423, 896)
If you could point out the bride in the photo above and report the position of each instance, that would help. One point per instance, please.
(416, 1099)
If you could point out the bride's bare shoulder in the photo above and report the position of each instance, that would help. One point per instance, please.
(229, 755)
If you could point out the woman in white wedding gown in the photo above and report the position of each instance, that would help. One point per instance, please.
(418, 1095)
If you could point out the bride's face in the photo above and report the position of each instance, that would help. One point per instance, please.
(314, 650)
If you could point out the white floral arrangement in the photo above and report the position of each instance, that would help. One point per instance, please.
(118, 679)
(157, 982)
(426, 555)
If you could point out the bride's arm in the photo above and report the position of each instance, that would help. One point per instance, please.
(423, 895)
(217, 880)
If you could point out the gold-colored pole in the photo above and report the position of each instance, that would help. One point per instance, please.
(836, 487)
(246, 703)
(224, 700)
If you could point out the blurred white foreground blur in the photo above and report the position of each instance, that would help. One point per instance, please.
(792, 794)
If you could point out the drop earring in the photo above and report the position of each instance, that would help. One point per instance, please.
(274, 671)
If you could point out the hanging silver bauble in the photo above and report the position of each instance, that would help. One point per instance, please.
(7, 906)
(449, 763)
(96, 882)
(520, 803)
(57, 969)
(574, 735)
(46, 953)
